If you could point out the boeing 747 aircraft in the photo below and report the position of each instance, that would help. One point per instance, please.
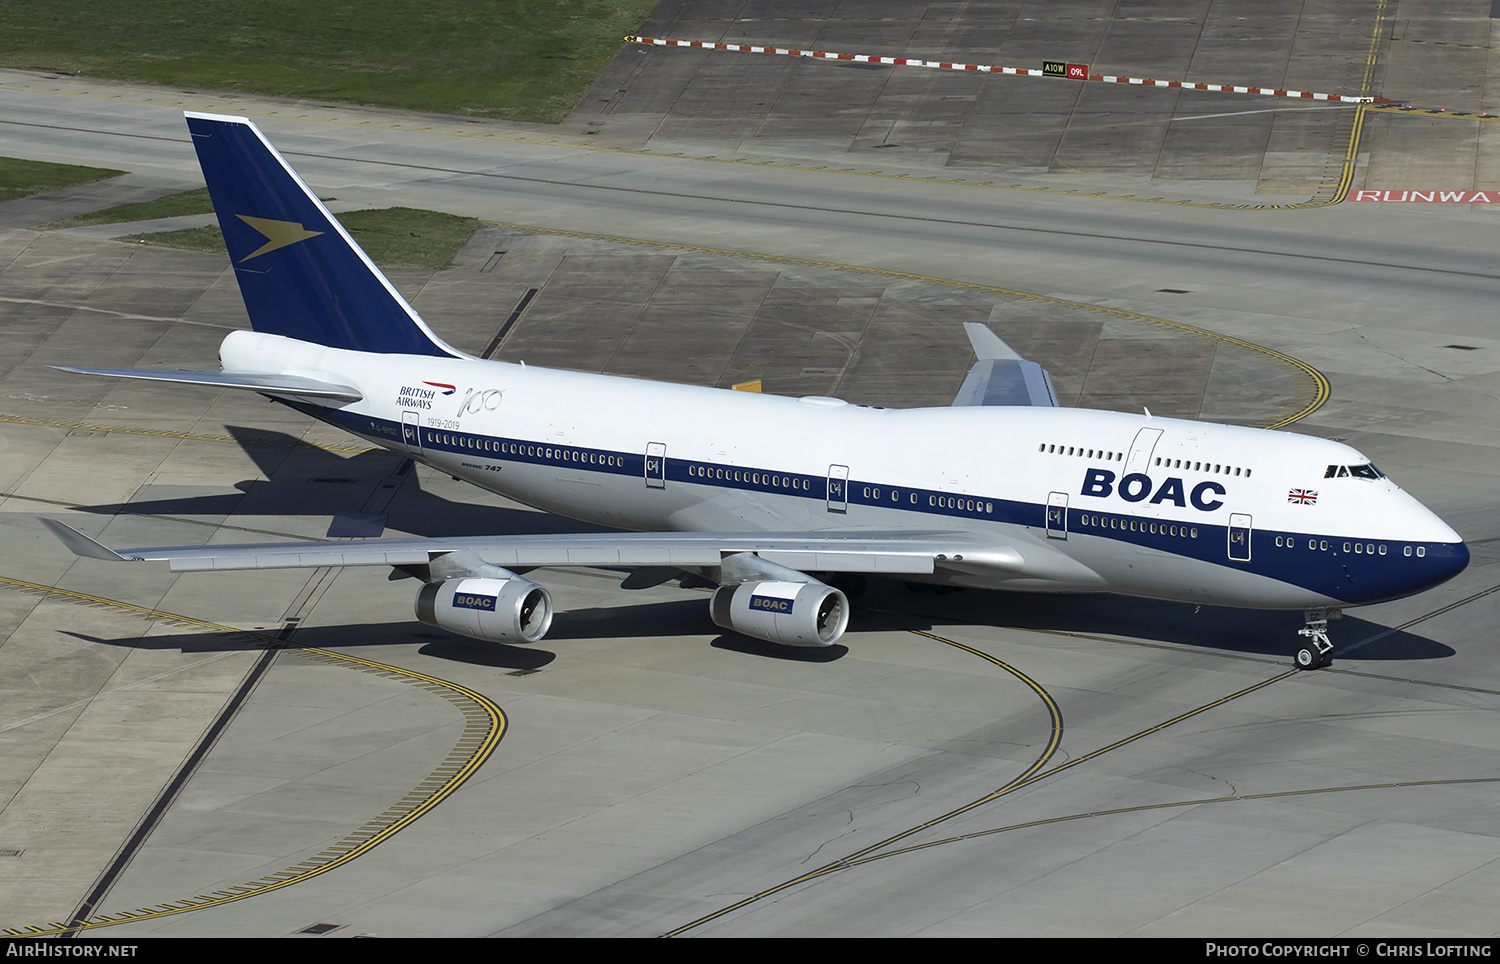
(767, 496)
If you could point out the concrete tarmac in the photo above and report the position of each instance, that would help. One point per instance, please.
(647, 772)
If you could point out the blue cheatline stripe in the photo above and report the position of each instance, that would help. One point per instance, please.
(1353, 578)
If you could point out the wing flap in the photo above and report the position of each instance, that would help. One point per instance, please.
(225, 558)
(900, 563)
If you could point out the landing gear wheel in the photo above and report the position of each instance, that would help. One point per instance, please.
(1317, 652)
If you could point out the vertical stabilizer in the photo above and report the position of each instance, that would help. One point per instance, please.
(300, 273)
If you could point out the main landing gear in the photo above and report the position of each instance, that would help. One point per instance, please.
(1317, 652)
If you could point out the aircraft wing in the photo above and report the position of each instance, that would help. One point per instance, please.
(1000, 376)
(895, 552)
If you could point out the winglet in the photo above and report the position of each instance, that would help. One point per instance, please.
(987, 344)
(82, 545)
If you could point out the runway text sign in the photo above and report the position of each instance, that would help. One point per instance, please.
(1428, 197)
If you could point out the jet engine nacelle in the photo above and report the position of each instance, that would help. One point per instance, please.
(790, 613)
(512, 610)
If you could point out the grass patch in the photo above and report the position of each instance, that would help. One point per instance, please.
(171, 206)
(20, 178)
(520, 60)
(407, 237)
(392, 237)
(188, 239)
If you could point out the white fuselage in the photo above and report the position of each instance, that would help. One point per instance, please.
(1133, 504)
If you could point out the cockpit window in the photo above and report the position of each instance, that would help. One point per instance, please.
(1365, 471)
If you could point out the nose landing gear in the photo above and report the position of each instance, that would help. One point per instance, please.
(1317, 652)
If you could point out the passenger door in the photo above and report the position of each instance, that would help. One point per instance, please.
(838, 488)
(656, 465)
(1139, 459)
(1057, 515)
(411, 433)
(1239, 537)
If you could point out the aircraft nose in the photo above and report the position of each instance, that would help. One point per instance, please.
(1447, 553)
(1448, 559)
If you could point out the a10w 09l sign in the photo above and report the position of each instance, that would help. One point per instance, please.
(1061, 68)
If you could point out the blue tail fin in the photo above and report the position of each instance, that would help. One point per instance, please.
(300, 273)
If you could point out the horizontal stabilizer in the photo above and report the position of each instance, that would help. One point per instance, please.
(1002, 377)
(274, 384)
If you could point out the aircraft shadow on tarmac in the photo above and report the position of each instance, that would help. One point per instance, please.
(350, 640)
(882, 608)
(687, 617)
(1248, 631)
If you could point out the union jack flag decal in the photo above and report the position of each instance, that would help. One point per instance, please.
(1302, 496)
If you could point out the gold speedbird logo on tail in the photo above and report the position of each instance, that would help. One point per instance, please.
(278, 234)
